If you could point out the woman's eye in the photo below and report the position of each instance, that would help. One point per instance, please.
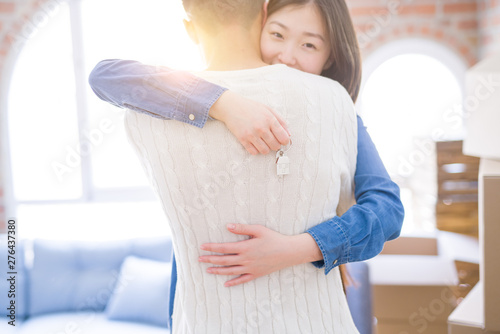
(310, 46)
(277, 35)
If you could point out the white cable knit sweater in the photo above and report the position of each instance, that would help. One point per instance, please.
(205, 180)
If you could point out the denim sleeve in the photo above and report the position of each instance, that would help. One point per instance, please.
(155, 90)
(173, 285)
(360, 233)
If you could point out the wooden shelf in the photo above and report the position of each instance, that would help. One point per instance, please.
(457, 177)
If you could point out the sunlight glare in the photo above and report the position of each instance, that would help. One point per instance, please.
(409, 97)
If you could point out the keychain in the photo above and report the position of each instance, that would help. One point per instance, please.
(283, 162)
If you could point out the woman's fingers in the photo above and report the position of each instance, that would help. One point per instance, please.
(221, 260)
(232, 271)
(250, 148)
(223, 248)
(240, 280)
(227, 271)
(256, 126)
(235, 247)
(265, 252)
(261, 146)
(244, 229)
(273, 134)
(280, 130)
(271, 141)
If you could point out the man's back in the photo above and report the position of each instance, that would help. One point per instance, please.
(205, 179)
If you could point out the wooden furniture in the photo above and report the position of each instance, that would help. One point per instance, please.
(457, 177)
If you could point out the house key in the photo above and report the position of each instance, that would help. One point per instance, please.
(282, 162)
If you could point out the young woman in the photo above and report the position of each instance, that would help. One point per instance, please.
(357, 235)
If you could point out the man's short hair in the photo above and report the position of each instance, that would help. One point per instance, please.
(217, 13)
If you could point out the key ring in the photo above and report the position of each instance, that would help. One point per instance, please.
(289, 146)
(281, 153)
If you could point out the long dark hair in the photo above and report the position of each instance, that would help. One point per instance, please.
(345, 55)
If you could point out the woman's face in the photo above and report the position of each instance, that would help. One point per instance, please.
(296, 36)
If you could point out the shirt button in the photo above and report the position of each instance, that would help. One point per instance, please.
(335, 262)
(191, 117)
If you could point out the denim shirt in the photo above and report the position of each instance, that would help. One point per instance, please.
(154, 90)
(359, 234)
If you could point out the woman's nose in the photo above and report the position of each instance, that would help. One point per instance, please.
(287, 57)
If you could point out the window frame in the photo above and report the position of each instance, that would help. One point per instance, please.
(90, 193)
(455, 63)
(411, 45)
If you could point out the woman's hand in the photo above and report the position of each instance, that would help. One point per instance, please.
(257, 127)
(264, 253)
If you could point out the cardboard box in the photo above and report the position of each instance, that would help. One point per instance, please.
(480, 310)
(411, 246)
(416, 284)
(489, 231)
(405, 328)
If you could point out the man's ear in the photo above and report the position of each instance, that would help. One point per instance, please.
(264, 13)
(191, 30)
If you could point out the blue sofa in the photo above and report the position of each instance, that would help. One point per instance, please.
(109, 287)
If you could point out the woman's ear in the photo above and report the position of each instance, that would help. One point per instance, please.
(264, 13)
(191, 31)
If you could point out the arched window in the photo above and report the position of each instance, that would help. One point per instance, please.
(73, 173)
(411, 98)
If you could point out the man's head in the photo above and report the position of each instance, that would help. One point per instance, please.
(213, 15)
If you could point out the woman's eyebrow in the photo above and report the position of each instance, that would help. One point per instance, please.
(280, 24)
(310, 34)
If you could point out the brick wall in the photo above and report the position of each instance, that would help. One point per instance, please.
(7, 15)
(470, 27)
(489, 27)
(12, 16)
(453, 23)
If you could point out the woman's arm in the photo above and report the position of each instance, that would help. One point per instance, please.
(158, 91)
(168, 94)
(360, 233)
(357, 235)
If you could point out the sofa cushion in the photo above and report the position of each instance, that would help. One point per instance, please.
(80, 323)
(142, 293)
(78, 275)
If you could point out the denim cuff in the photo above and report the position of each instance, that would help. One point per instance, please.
(332, 242)
(206, 94)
